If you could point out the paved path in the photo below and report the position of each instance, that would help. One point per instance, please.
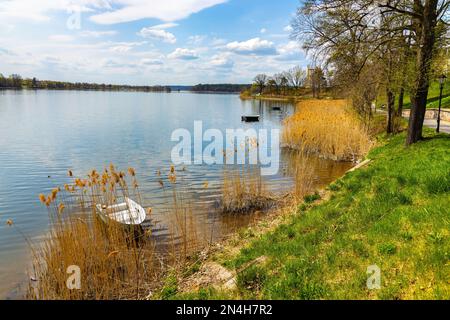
(432, 123)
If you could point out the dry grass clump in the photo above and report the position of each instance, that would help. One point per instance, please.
(115, 262)
(303, 177)
(328, 128)
(244, 192)
(184, 227)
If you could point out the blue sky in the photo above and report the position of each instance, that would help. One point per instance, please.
(147, 41)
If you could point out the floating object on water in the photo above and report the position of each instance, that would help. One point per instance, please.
(250, 118)
(127, 213)
(276, 108)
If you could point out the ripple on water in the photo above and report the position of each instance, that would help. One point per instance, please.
(45, 133)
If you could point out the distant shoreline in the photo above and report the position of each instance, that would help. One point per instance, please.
(270, 98)
(81, 89)
(117, 90)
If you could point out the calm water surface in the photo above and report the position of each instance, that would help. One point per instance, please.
(45, 133)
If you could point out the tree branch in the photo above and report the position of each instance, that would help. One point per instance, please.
(391, 8)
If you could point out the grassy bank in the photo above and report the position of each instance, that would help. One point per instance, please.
(433, 97)
(394, 213)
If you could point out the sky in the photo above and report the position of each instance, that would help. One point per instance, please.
(147, 42)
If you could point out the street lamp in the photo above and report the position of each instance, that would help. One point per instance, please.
(442, 79)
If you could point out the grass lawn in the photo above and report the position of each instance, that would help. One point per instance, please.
(394, 213)
(433, 97)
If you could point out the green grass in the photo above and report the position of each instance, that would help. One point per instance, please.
(433, 97)
(395, 214)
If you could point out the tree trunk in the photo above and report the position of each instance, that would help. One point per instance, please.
(400, 103)
(390, 107)
(424, 56)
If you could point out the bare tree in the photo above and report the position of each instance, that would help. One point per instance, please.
(296, 77)
(260, 82)
(341, 33)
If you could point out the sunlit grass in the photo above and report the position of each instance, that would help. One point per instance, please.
(393, 214)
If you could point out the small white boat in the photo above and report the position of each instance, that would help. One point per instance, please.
(128, 213)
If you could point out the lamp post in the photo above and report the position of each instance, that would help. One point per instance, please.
(441, 87)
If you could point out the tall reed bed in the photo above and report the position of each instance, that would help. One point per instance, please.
(115, 261)
(301, 171)
(184, 226)
(244, 192)
(328, 128)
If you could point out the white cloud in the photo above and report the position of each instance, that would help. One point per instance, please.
(122, 47)
(106, 11)
(183, 54)
(218, 42)
(288, 28)
(8, 52)
(157, 34)
(222, 61)
(30, 10)
(165, 25)
(196, 40)
(60, 38)
(114, 63)
(165, 10)
(255, 46)
(263, 31)
(290, 51)
(97, 34)
(152, 62)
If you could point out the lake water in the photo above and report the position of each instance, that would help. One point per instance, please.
(43, 134)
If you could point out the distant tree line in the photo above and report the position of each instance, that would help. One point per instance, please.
(229, 88)
(293, 82)
(15, 81)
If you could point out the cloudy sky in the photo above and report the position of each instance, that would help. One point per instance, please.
(147, 41)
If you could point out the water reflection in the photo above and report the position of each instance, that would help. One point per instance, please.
(45, 133)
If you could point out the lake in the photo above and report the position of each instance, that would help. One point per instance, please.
(43, 134)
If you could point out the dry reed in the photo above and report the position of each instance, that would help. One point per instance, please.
(303, 176)
(328, 128)
(115, 262)
(244, 192)
(183, 225)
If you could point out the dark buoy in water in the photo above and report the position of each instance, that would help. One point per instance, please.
(251, 118)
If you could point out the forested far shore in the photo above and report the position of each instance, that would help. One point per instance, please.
(227, 87)
(15, 81)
